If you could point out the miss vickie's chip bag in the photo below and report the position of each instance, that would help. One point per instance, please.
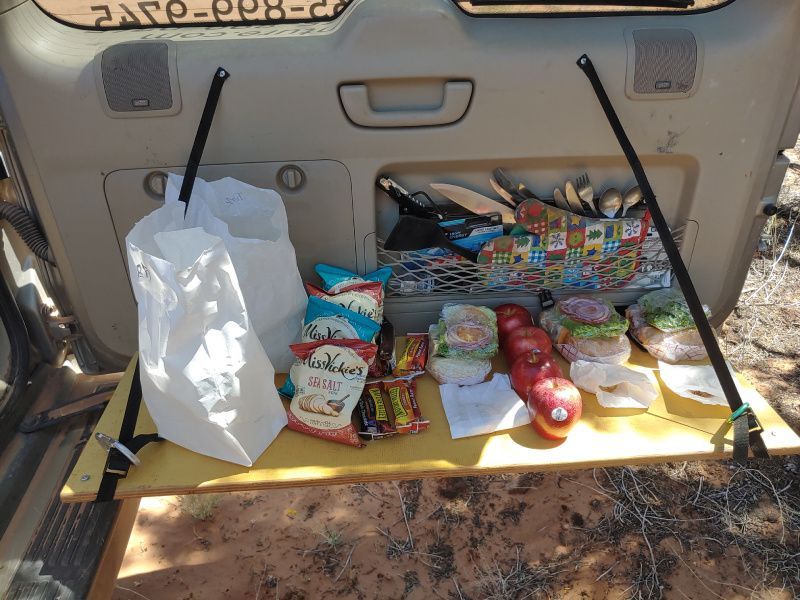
(329, 377)
(364, 298)
(334, 279)
(324, 321)
(352, 287)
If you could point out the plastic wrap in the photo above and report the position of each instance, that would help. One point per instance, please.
(666, 310)
(458, 371)
(614, 350)
(467, 332)
(671, 347)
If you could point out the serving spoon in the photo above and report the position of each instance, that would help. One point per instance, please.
(610, 202)
(631, 198)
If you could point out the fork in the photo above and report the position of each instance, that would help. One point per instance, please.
(586, 192)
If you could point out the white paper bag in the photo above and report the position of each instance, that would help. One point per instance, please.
(252, 224)
(206, 379)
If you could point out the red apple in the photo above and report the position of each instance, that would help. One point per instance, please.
(531, 368)
(511, 317)
(524, 340)
(555, 406)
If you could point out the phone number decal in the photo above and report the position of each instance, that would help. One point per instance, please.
(174, 12)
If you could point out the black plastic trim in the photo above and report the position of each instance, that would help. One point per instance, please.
(594, 14)
(12, 407)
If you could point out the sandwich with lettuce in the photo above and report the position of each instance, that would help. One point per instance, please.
(587, 328)
(662, 323)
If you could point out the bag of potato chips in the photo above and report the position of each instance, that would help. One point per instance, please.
(329, 376)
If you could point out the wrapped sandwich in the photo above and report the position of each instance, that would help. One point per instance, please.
(467, 331)
(662, 323)
(584, 328)
(461, 371)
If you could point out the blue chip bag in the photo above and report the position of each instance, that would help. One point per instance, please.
(334, 278)
(326, 321)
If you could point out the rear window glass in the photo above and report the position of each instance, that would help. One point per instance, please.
(163, 13)
(499, 8)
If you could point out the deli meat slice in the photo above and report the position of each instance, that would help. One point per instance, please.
(585, 310)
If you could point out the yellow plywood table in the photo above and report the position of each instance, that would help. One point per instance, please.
(673, 428)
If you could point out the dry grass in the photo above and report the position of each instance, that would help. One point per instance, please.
(200, 506)
(514, 579)
(750, 514)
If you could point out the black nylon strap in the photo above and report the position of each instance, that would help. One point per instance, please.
(202, 135)
(741, 441)
(132, 408)
(117, 464)
(741, 444)
(108, 485)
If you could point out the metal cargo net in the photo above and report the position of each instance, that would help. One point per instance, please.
(640, 266)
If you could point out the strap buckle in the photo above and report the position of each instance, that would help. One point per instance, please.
(546, 299)
(756, 426)
(745, 410)
(109, 443)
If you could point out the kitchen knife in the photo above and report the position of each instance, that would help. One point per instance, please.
(573, 199)
(503, 184)
(510, 199)
(475, 202)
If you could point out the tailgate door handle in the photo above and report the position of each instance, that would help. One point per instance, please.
(356, 104)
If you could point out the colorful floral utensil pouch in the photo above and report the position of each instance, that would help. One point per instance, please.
(570, 250)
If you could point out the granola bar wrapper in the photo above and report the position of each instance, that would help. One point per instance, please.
(402, 393)
(373, 417)
(385, 361)
(414, 356)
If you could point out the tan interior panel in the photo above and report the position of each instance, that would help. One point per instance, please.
(301, 185)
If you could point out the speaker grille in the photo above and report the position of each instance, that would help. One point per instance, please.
(666, 61)
(136, 77)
